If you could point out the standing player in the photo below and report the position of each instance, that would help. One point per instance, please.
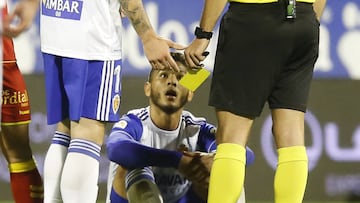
(150, 141)
(266, 53)
(81, 45)
(26, 182)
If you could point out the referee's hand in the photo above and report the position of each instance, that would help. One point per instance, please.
(196, 52)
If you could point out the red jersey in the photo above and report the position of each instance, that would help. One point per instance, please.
(15, 107)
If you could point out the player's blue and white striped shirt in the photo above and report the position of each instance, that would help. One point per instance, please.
(193, 133)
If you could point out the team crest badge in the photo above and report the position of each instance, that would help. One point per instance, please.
(116, 103)
(121, 124)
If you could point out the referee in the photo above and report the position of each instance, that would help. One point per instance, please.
(265, 54)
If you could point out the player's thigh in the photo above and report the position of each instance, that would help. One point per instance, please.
(15, 115)
(15, 100)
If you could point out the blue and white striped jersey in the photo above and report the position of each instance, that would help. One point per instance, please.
(193, 133)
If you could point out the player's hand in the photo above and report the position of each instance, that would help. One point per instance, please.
(182, 148)
(195, 53)
(184, 163)
(196, 166)
(157, 52)
(198, 169)
(199, 172)
(20, 18)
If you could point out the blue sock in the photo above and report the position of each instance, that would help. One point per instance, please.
(116, 198)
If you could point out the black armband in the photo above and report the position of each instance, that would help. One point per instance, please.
(201, 34)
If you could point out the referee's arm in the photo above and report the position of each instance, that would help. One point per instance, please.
(319, 6)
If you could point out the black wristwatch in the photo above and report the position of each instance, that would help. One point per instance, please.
(201, 34)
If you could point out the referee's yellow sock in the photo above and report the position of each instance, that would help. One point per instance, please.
(291, 175)
(227, 173)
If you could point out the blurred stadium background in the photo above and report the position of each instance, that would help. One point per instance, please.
(332, 121)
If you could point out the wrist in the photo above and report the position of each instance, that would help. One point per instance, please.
(201, 34)
(147, 35)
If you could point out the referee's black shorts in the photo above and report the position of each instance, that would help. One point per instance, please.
(262, 57)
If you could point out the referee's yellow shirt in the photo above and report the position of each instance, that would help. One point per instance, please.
(266, 1)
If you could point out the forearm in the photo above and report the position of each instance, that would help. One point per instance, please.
(211, 13)
(131, 154)
(134, 10)
(319, 6)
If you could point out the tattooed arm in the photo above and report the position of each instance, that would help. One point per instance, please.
(156, 48)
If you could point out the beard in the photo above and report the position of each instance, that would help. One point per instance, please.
(168, 107)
